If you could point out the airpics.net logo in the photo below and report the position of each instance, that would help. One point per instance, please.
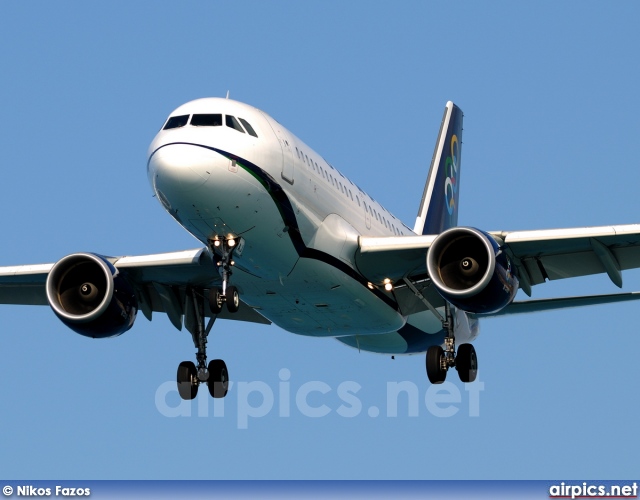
(588, 490)
(248, 401)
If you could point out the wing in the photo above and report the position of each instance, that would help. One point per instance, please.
(538, 255)
(392, 257)
(160, 282)
(566, 253)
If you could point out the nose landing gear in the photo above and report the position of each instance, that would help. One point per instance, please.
(215, 374)
(190, 376)
(227, 294)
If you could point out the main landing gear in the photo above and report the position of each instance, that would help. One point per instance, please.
(215, 374)
(439, 360)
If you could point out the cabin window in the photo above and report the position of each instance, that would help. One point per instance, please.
(176, 122)
(206, 120)
(233, 123)
(249, 128)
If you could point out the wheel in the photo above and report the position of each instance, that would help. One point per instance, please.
(215, 300)
(233, 299)
(187, 380)
(467, 363)
(218, 378)
(435, 372)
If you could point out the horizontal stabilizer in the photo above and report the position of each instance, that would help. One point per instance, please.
(537, 305)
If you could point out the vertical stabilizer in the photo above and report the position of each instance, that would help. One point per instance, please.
(439, 206)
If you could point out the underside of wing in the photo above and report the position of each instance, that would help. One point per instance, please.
(392, 257)
(160, 282)
(24, 284)
(567, 253)
(537, 255)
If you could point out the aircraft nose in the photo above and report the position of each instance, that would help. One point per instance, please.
(179, 168)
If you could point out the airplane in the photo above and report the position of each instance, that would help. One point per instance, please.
(287, 239)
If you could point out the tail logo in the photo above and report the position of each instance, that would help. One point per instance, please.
(451, 171)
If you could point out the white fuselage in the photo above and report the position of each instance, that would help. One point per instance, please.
(298, 217)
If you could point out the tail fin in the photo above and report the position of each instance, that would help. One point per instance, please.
(439, 206)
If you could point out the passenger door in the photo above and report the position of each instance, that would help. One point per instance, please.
(287, 154)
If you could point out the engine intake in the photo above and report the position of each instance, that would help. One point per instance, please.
(88, 294)
(469, 270)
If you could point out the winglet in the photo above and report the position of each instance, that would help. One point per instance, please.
(439, 206)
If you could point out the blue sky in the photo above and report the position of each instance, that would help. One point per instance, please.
(550, 95)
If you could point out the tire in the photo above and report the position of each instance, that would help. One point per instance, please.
(467, 363)
(233, 299)
(187, 377)
(218, 378)
(435, 372)
(215, 300)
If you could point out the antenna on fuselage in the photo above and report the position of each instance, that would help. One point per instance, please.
(227, 94)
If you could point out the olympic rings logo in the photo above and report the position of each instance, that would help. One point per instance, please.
(451, 171)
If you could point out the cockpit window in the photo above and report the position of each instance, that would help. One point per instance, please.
(176, 122)
(233, 123)
(206, 120)
(248, 127)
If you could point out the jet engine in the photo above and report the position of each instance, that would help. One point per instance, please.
(90, 296)
(470, 270)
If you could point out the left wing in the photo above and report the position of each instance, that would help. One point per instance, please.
(566, 253)
(392, 257)
(538, 255)
(160, 282)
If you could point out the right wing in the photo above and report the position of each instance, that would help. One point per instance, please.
(160, 282)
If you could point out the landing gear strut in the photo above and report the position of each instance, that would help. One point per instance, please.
(190, 376)
(227, 294)
(215, 374)
(439, 360)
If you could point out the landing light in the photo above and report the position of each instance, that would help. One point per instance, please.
(388, 287)
(370, 285)
(231, 242)
(216, 243)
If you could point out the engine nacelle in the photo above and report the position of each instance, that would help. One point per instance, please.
(469, 270)
(89, 296)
